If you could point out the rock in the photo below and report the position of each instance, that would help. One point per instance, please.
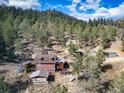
(71, 78)
(33, 56)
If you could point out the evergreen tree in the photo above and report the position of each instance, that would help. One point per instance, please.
(105, 42)
(123, 44)
(111, 33)
(100, 58)
(4, 87)
(2, 45)
(117, 85)
(9, 32)
(72, 48)
(57, 88)
(76, 66)
(25, 25)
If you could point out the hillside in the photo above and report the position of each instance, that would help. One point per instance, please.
(41, 25)
(86, 47)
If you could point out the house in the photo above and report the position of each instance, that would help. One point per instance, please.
(111, 54)
(46, 62)
(39, 77)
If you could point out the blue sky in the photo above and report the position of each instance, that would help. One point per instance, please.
(80, 9)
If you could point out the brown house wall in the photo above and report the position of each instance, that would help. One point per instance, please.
(48, 67)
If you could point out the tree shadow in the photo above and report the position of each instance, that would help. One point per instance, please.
(3, 71)
(106, 67)
(19, 85)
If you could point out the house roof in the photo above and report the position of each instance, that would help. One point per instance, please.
(48, 58)
(39, 73)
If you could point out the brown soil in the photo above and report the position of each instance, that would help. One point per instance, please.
(116, 62)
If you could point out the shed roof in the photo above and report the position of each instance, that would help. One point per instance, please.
(112, 52)
(39, 73)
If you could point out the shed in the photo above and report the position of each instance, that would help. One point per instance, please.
(38, 77)
(111, 54)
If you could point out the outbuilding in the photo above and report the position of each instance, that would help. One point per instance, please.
(111, 54)
(39, 77)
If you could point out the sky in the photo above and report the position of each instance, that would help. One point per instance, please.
(80, 9)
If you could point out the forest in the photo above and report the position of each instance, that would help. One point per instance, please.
(37, 26)
(43, 24)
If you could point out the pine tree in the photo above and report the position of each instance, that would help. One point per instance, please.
(25, 25)
(2, 44)
(9, 32)
(57, 88)
(117, 85)
(4, 87)
(123, 43)
(111, 33)
(105, 40)
(72, 48)
(76, 66)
